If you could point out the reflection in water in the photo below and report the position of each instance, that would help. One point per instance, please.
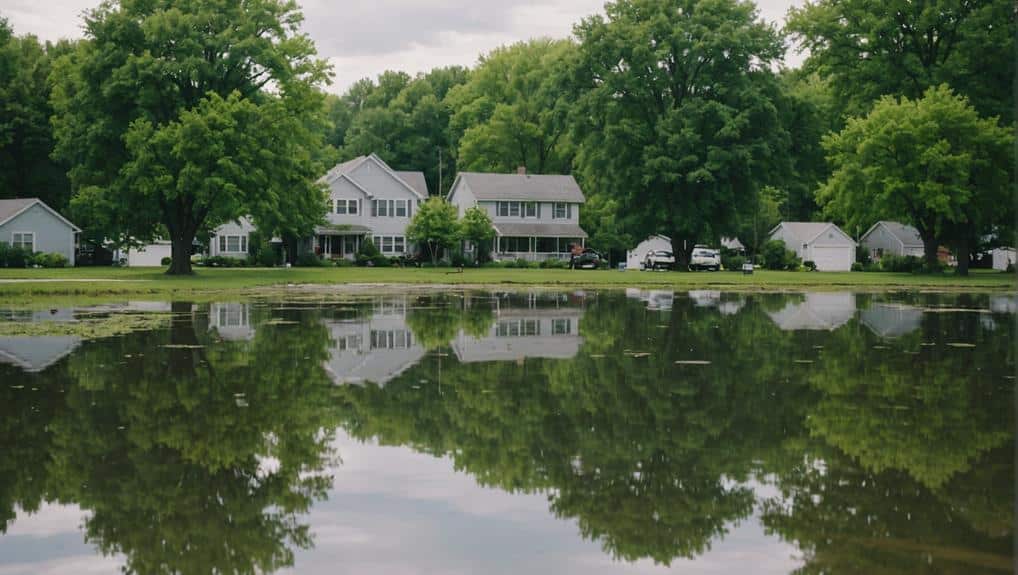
(874, 433)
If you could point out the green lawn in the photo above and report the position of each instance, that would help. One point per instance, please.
(99, 282)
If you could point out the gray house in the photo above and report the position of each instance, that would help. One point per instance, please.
(821, 242)
(891, 238)
(29, 223)
(536, 217)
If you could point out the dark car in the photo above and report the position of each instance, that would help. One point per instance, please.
(586, 260)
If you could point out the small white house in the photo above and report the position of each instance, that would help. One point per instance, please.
(30, 224)
(231, 239)
(148, 255)
(635, 256)
(821, 242)
(1002, 257)
(892, 238)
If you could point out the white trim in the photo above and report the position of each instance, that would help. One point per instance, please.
(13, 233)
(43, 204)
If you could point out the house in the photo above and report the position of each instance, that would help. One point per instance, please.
(1002, 258)
(816, 311)
(30, 224)
(891, 320)
(536, 217)
(518, 334)
(892, 238)
(733, 244)
(148, 255)
(366, 199)
(636, 256)
(821, 242)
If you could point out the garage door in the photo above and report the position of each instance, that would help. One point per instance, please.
(833, 259)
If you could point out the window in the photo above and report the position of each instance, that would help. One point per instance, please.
(547, 245)
(561, 211)
(352, 206)
(23, 240)
(514, 209)
(387, 244)
(341, 206)
(233, 244)
(391, 339)
(514, 244)
(399, 246)
(380, 208)
(561, 326)
(531, 210)
(401, 208)
(390, 244)
(503, 208)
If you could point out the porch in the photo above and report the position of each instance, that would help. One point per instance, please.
(338, 242)
(535, 248)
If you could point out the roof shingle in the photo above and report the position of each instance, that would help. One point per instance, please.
(526, 187)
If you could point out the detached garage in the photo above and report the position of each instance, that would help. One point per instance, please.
(822, 242)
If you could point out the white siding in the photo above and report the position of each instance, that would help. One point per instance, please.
(51, 234)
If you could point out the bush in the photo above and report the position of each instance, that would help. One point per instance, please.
(810, 265)
(457, 259)
(310, 260)
(732, 261)
(51, 260)
(342, 263)
(907, 264)
(857, 266)
(223, 262)
(775, 256)
(554, 263)
(522, 263)
(11, 257)
(166, 261)
(266, 255)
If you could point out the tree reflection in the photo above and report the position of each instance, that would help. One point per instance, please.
(191, 455)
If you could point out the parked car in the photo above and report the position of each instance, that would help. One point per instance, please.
(658, 259)
(705, 258)
(588, 259)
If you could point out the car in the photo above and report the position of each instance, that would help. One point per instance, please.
(588, 259)
(705, 258)
(658, 259)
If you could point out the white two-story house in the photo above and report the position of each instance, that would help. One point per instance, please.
(536, 217)
(366, 199)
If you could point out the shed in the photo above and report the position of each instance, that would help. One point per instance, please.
(892, 238)
(635, 256)
(29, 223)
(821, 242)
(1002, 257)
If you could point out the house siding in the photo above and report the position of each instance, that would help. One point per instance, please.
(241, 227)
(52, 235)
(383, 186)
(879, 238)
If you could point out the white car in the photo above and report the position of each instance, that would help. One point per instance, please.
(658, 259)
(705, 258)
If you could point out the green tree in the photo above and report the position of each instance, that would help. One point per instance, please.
(513, 110)
(677, 114)
(26, 138)
(602, 218)
(475, 226)
(932, 162)
(871, 49)
(139, 106)
(434, 225)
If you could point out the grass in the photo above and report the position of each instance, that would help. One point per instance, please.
(74, 284)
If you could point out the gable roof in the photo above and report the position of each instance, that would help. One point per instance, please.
(527, 187)
(409, 180)
(10, 209)
(904, 233)
(415, 179)
(806, 232)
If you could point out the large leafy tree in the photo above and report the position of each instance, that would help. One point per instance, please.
(931, 162)
(434, 226)
(677, 116)
(513, 111)
(871, 48)
(475, 226)
(26, 139)
(188, 113)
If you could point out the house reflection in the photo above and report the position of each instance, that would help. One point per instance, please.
(656, 300)
(519, 333)
(34, 354)
(891, 320)
(232, 321)
(375, 349)
(816, 311)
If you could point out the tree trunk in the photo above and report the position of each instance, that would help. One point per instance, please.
(181, 253)
(930, 250)
(681, 250)
(963, 256)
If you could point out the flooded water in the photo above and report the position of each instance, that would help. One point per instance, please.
(512, 432)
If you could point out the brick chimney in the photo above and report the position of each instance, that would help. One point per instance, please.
(521, 170)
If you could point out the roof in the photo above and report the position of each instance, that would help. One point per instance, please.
(806, 232)
(732, 243)
(906, 234)
(540, 230)
(342, 230)
(415, 179)
(9, 209)
(527, 187)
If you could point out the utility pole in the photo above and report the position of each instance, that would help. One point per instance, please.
(440, 170)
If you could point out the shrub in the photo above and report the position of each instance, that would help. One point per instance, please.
(522, 263)
(775, 256)
(907, 264)
(1010, 268)
(342, 263)
(166, 261)
(857, 266)
(223, 262)
(554, 263)
(310, 260)
(266, 255)
(732, 261)
(810, 265)
(50, 260)
(11, 257)
(457, 259)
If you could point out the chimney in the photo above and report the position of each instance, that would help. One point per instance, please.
(522, 170)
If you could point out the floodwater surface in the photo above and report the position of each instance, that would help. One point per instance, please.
(511, 432)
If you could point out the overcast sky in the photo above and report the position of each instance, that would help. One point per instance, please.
(365, 37)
